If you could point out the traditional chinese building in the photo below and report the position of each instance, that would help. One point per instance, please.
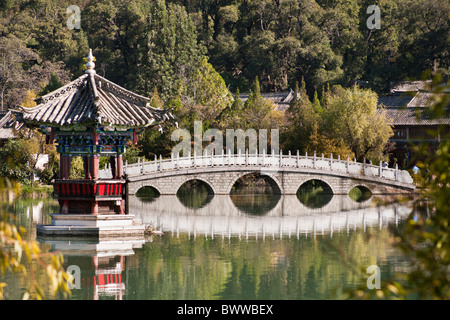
(91, 117)
(407, 108)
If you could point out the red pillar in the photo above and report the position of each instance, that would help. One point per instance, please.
(95, 162)
(64, 167)
(64, 174)
(94, 167)
(87, 173)
(94, 176)
(119, 176)
(119, 166)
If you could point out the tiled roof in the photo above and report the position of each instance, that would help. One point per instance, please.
(394, 101)
(8, 124)
(93, 99)
(413, 116)
(422, 99)
(410, 86)
(281, 99)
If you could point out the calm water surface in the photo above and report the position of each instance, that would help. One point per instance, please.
(242, 246)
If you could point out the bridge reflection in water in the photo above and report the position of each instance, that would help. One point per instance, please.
(220, 216)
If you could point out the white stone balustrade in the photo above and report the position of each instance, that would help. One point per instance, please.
(270, 161)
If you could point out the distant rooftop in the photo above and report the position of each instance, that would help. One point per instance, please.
(407, 104)
(410, 86)
(281, 99)
(8, 124)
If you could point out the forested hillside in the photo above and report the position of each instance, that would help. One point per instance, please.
(192, 55)
(146, 44)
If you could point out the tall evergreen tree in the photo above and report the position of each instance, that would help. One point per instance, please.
(170, 52)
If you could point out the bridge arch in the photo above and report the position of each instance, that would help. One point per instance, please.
(268, 177)
(150, 186)
(323, 180)
(209, 185)
(315, 193)
(360, 193)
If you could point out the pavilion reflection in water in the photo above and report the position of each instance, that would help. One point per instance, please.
(98, 267)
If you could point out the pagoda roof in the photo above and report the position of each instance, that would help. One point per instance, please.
(92, 99)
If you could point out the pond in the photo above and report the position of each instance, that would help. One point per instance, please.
(252, 244)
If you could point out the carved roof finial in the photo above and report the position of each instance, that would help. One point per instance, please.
(90, 65)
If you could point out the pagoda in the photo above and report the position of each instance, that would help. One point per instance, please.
(92, 117)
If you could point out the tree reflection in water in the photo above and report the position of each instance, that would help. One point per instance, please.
(195, 194)
(255, 194)
(314, 194)
(147, 194)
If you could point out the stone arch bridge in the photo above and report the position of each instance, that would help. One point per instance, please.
(286, 173)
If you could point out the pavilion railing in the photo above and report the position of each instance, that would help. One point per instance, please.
(89, 188)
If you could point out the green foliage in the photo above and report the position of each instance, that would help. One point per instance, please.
(21, 256)
(347, 122)
(52, 85)
(51, 169)
(14, 161)
(354, 120)
(132, 154)
(424, 237)
(231, 116)
(302, 120)
(206, 93)
(143, 44)
(76, 168)
(257, 110)
(169, 52)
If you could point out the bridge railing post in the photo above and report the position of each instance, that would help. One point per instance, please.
(381, 169)
(396, 172)
(160, 162)
(156, 164)
(364, 166)
(348, 164)
(298, 158)
(189, 158)
(314, 160)
(195, 162)
(280, 164)
(331, 161)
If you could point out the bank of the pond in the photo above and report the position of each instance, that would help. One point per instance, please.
(28, 192)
